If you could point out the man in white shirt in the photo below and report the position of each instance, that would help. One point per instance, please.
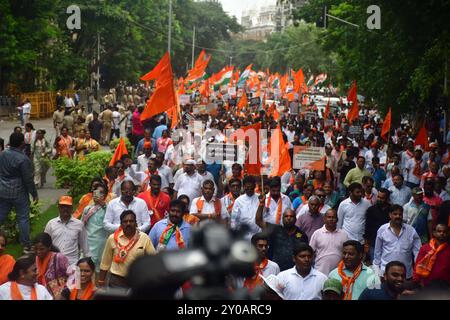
(189, 182)
(142, 160)
(206, 175)
(352, 213)
(263, 266)
(26, 109)
(276, 202)
(245, 207)
(400, 194)
(127, 201)
(396, 241)
(164, 171)
(302, 282)
(68, 234)
(415, 167)
(115, 123)
(208, 207)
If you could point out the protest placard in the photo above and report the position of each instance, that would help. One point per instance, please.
(312, 158)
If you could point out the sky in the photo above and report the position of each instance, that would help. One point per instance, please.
(235, 7)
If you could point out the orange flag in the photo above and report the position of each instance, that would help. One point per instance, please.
(352, 97)
(299, 80)
(422, 138)
(199, 67)
(181, 89)
(281, 160)
(154, 74)
(243, 101)
(164, 96)
(119, 152)
(204, 89)
(386, 124)
(276, 115)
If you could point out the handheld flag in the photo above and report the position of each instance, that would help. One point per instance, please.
(119, 152)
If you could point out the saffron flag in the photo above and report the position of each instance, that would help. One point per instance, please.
(204, 89)
(353, 112)
(386, 124)
(154, 74)
(243, 101)
(253, 166)
(119, 152)
(279, 154)
(164, 96)
(422, 138)
(299, 80)
(198, 71)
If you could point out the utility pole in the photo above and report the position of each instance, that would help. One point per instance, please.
(98, 62)
(231, 61)
(193, 48)
(170, 27)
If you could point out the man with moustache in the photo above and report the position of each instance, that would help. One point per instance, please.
(396, 241)
(351, 271)
(282, 238)
(302, 282)
(172, 233)
(122, 248)
(127, 201)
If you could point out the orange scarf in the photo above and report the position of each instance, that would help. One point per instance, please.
(123, 251)
(42, 266)
(251, 283)
(416, 170)
(217, 206)
(154, 203)
(347, 282)
(144, 185)
(230, 206)
(425, 265)
(6, 266)
(87, 295)
(192, 220)
(167, 234)
(84, 202)
(17, 295)
(280, 205)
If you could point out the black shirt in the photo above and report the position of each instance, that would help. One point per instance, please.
(376, 216)
(376, 294)
(281, 245)
(95, 128)
(347, 166)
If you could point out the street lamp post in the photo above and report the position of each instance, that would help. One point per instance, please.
(170, 27)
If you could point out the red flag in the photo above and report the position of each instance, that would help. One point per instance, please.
(164, 96)
(280, 159)
(243, 101)
(119, 152)
(353, 112)
(386, 124)
(422, 138)
(327, 110)
(154, 74)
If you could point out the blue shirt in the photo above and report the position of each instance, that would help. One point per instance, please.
(296, 203)
(160, 226)
(214, 169)
(378, 176)
(376, 294)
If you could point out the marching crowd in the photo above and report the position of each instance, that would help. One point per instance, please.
(373, 223)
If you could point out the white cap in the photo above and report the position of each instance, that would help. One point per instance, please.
(190, 161)
(273, 283)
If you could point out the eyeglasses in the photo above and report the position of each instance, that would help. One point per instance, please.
(321, 195)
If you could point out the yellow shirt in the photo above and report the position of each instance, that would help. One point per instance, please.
(142, 247)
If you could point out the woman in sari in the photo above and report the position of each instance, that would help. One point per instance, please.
(87, 199)
(64, 144)
(41, 151)
(51, 265)
(85, 144)
(93, 216)
(87, 287)
(6, 261)
(22, 282)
